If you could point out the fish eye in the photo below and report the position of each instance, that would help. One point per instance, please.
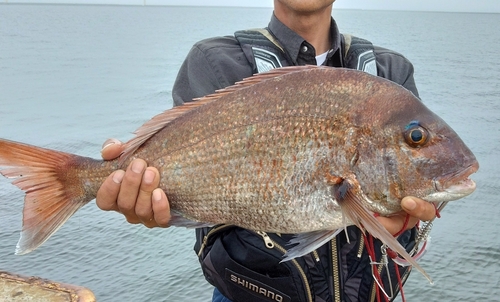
(416, 135)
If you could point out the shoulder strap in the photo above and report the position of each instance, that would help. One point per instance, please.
(264, 51)
(359, 54)
(347, 44)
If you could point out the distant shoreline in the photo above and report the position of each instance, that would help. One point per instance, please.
(495, 9)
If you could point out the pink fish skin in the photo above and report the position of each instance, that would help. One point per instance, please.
(294, 150)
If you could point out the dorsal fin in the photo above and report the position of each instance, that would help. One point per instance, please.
(154, 125)
(151, 127)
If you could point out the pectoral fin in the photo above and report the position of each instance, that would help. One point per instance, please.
(350, 198)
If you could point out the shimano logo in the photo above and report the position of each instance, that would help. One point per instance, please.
(255, 287)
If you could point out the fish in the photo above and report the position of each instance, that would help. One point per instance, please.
(302, 150)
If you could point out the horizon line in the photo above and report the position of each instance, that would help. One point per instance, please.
(6, 2)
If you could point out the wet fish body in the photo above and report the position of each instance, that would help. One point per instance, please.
(295, 150)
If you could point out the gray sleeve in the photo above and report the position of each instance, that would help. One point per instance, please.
(211, 64)
(395, 67)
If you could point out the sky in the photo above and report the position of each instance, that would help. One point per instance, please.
(488, 6)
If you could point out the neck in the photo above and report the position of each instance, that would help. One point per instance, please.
(313, 26)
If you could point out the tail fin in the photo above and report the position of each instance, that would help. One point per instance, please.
(54, 190)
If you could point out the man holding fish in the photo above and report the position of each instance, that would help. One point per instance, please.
(307, 34)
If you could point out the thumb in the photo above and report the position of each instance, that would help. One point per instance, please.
(111, 149)
(418, 208)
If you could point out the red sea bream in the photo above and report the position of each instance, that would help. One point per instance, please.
(297, 150)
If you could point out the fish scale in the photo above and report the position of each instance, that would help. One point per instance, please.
(254, 178)
(304, 150)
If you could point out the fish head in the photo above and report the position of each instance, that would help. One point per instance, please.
(439, 158)
(407, 150)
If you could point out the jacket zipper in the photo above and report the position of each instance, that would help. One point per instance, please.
(212, 231)
(316, 255)
(374, 288)
(270, 244)
(360, 248)
(335, 270)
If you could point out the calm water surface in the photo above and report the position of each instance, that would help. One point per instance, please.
(72, 76)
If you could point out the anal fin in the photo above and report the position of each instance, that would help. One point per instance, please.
(308, 242)
(179, 220)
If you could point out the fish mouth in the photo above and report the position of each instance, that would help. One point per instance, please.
(455, 185)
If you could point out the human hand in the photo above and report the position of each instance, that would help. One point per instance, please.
(415, 208)
(133, 192)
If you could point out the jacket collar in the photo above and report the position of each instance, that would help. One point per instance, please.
(293, 43)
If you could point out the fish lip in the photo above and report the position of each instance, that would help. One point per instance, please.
(458, 183)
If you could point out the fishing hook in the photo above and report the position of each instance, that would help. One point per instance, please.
(423, 237)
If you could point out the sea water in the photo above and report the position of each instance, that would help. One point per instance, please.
(73, 76)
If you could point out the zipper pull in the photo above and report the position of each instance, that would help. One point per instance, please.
(267, 240)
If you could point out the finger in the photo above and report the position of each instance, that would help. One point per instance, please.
(394, 223)
(109, 190)
(418, 208)
(143, 206)
(129, 189)
(111, 149)
(161, 208)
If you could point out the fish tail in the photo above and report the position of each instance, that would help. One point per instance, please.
(54, 184)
